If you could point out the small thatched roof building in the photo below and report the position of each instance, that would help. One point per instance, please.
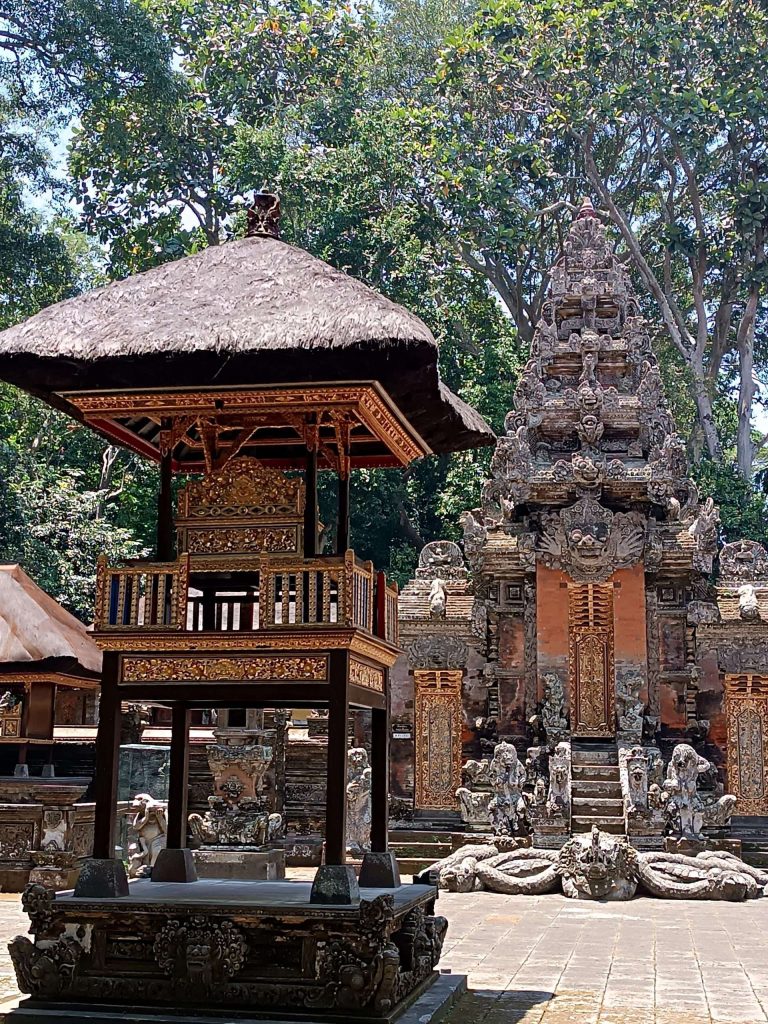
(256, 310)
(36, 631)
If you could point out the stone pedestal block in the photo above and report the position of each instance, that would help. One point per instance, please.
(268, 865)
(102, 879)
(335, 883)
(379, 871)
(174, 866)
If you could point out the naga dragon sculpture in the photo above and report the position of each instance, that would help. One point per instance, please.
(596, 866)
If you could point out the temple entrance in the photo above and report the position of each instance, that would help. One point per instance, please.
(746, 710)
(591, 660)
(437, 699)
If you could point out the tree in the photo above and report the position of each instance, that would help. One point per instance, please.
(153, 179)
(660, 111)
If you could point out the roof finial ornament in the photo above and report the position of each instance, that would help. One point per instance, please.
(586, 209)
(263, 216)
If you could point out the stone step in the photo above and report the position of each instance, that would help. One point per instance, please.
(418, 851)
(413, 866)
(415, 835)
(600, 790)
(598, 756)
(584, 823)
(610, 805)
(596, 772)
(757, 858)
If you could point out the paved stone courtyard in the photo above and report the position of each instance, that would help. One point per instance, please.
(550, 960)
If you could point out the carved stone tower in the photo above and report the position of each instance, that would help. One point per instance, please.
(591, 542)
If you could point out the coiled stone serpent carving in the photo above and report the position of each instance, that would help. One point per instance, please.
(597, 866)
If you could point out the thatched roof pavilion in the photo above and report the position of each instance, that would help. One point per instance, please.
(256, 310)
(36, 632)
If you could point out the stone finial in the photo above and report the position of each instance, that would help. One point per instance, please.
(586, 209)
(263, 216)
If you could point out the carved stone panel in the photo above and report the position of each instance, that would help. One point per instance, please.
(746, 710)
(437, 697)
(591, 659)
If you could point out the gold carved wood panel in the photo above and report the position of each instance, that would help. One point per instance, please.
(746, 711)
(438, 737)
(591, 659)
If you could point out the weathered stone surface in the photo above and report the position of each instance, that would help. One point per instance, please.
(102, 878)
(335, 883)
(379, 870)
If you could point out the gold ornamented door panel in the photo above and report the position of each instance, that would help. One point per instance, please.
(437, 699)
(591, 659)
(746, 712)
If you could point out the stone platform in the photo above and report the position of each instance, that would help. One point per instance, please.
(221, 948)
(233, 863)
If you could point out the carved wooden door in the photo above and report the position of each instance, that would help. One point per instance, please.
(438, 737)
(746, 711)
(591, 661)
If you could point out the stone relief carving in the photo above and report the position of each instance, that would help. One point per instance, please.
(744, 561)
(554, 717)
(200, 950)
(559, 795)
(442, 559)
(507, 775)
(149, 826)
(590, 542)
(438, 599)
(684, 807)
(597, 866)
(358, 801)
(703, 529)
(438, 652)
(749, 609)
(238, 813)
(473, 806)
(630, 708)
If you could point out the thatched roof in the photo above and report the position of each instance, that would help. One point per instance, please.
(34, 628)
(250, 311)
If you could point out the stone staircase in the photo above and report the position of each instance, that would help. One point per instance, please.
(753, 833)
(595, 787)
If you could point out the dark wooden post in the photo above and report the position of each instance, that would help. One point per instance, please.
(165, 543)
(336, 791)
(178, 784)
(342, 533)
(310, 506)
(380, 777)
(107, 755)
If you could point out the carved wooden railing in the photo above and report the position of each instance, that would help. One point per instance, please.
(146, 595)
(281, 591)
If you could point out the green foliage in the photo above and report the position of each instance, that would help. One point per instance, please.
(434, 150)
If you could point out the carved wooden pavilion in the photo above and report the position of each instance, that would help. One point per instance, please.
(244, 363)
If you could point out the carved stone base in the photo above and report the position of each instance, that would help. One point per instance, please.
(268, 865)
(216, 949)
(174, 866)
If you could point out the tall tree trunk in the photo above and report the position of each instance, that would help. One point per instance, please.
(745, 449)
(703, 400)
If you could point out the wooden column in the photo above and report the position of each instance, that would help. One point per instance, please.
(380, 778)
(310, 506)
(342, 533)
(178, 778)
(165, 545)
(336, 791)
(107, 755)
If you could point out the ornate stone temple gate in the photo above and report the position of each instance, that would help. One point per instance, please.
(596, 643)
